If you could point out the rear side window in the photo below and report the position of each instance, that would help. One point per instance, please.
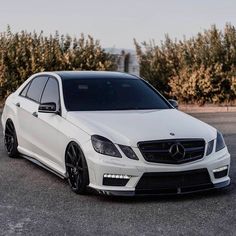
(24, 91)
(36, 88)
(51, 92)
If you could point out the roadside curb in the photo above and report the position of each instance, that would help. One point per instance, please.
(206, 109)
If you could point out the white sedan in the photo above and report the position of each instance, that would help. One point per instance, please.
(112, 132)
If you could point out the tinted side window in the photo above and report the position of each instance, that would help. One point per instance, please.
(36, 88)
(51, 92)
(24, 91)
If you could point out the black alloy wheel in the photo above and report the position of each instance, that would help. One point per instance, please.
(76, 168)
(10, 140)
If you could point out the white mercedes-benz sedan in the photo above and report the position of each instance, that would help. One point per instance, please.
(112, 132)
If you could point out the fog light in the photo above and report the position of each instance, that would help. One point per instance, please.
(220, 172)
(115, 179)
(220, 169)
(115, 176)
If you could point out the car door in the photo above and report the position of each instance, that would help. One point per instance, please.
(49, 139)
(27, 103)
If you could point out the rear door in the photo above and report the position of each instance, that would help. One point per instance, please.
(27, 103)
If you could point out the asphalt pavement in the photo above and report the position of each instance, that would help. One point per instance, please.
(33, 201)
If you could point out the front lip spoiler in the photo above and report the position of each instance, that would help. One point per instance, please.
(221, 185)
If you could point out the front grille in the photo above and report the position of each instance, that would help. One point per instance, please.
(174, 182)
(162, 151)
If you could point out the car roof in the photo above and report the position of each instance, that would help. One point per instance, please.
(93, 74)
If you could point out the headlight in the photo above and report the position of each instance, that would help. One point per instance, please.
(128, 151)
(220, 143)
(210, 146)
(104, 146)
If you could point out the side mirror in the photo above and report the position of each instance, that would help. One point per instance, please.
(174, 103)
(49, 107)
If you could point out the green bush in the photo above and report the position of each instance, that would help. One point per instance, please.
(198, 70)
(22, 54)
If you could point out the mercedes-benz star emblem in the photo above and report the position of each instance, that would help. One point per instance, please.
(177, 151)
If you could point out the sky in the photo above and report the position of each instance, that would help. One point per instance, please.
(116, 23)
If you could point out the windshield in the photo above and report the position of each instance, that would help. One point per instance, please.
(98, 94)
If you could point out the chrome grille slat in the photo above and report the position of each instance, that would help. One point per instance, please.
(194, 149)
(156, 151)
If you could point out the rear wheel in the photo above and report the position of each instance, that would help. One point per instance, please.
(10, 140)
(76, 168)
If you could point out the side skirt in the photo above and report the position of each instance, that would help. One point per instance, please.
(42, 165)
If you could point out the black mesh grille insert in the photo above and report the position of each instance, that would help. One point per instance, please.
(221, 174)
(114, 182)
(162, 151)
(170, 182)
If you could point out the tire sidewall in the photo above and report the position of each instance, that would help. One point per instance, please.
(14, 152)
(81, 189)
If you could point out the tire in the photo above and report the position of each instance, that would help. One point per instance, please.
(76, 169)
(10, 140)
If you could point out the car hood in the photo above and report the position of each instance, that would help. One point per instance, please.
(131, 127)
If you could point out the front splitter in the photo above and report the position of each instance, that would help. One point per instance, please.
(166, 192)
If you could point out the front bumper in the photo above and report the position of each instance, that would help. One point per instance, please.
(178, 191)
(100, 166)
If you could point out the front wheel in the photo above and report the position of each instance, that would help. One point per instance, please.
(10, 140)
(76, 169)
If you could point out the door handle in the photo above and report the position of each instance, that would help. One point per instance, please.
(18, 104)
(35, 114)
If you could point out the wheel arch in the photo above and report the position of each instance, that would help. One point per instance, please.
(9, 112)
(79, 146)
(9, 119)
